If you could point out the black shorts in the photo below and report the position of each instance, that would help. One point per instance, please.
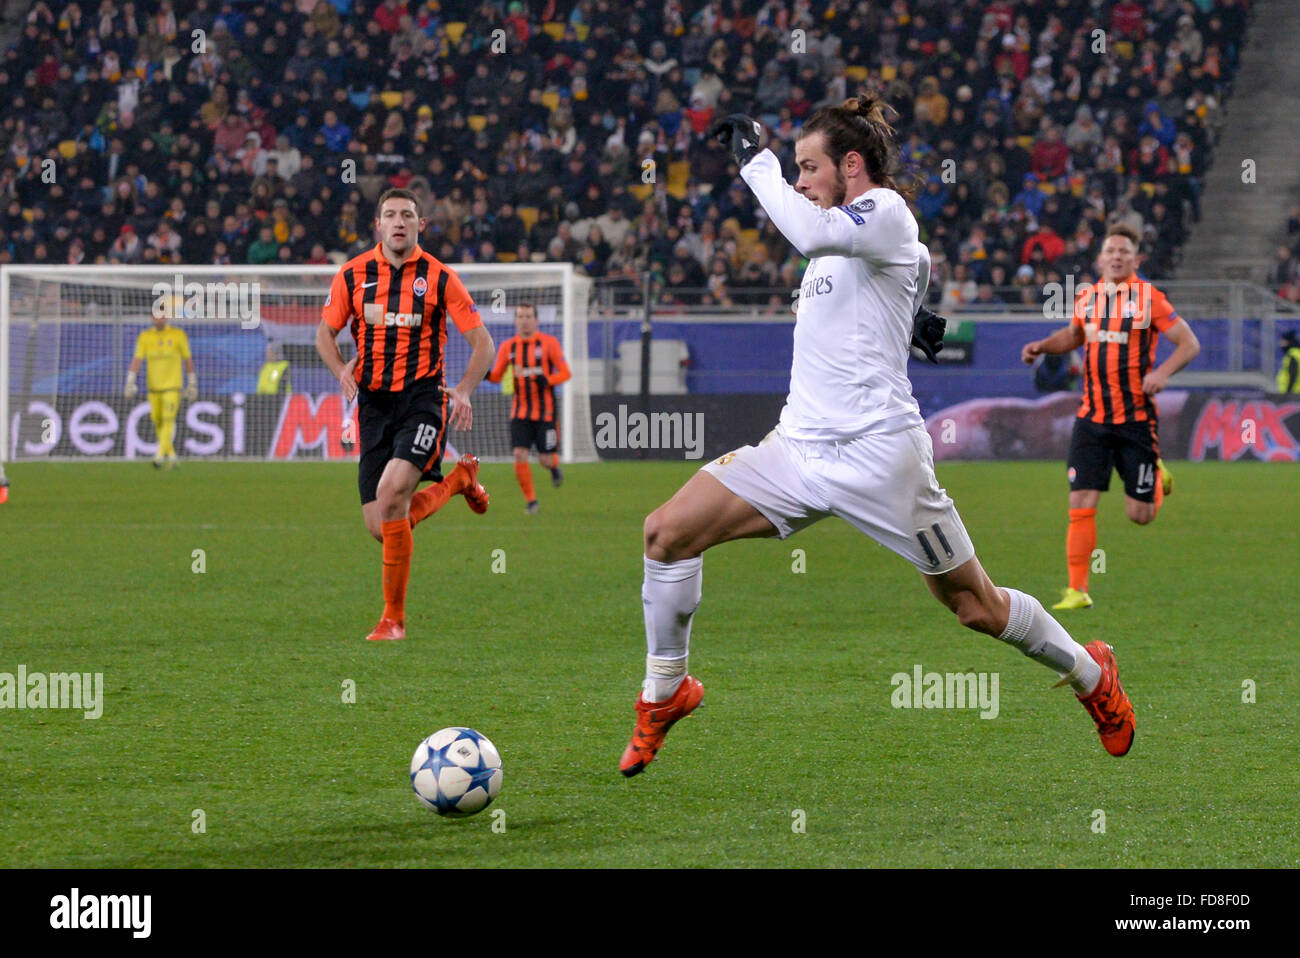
(542, 433)
(400, 425)
(1130, 447)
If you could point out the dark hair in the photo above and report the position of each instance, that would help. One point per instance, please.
(397, 194)
(1128, 232)
(858, 125)
(532, 306)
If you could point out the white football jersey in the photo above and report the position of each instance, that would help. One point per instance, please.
(866, 277)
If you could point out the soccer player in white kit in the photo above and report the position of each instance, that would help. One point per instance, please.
(851, 441)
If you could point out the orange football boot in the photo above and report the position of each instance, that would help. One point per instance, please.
(475, 494)
(387, 630)
(1108, 704)
(653, 720)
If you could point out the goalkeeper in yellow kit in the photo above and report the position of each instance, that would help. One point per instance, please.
(165, 348)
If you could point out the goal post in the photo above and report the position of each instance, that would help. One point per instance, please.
(68, 333)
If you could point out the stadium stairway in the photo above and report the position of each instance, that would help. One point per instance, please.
(1242, 224)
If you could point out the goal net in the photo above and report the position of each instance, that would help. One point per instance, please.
(67, 336)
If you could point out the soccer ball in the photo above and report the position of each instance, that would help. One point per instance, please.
(456, 771)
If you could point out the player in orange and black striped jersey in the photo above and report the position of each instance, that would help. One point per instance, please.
(396, 298)
(1118, 321)
(538, 367)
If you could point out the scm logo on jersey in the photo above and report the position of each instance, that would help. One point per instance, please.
(1096, 335)
(376, 315)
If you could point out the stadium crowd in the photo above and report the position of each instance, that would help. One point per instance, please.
(551, 130)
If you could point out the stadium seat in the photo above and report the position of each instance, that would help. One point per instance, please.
(392, 99)
(679, 174)
(550, 99)
(858, 74)
(455, 30)
(507, 257)
(642, 191)
(360, 100)
(581, 29)
(68, 149)
(554, 29)
(529, 215)
(476, 122)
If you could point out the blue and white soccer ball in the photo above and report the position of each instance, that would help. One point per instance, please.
(456, 771)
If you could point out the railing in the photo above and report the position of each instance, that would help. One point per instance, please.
(1238, 323)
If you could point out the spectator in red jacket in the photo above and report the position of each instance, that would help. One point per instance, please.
(1126, 20)
(1050, 156)
(1045, 239)
(389, 15)
(1012, 58)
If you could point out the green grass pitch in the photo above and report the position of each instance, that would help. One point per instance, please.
(223, 690)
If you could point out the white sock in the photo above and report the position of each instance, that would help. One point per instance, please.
(1034, 632)
(670, 594)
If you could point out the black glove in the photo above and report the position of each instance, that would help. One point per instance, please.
(738, 133)
(927, 333)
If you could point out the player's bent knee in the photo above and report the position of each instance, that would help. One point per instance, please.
(1141, 513)
(666, 540)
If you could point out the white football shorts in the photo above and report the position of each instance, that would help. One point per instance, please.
(882, 483)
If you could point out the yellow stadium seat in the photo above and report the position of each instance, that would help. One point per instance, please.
(391, 99)
(507, 257)
(679, 171)
(550, 99)
(856, 73)
(642, 191)
(476, 121)
(529, 215)
(68, 149)
(554, 29)
(750, 235)
(455, 30)
(888, 72)
(581, 29)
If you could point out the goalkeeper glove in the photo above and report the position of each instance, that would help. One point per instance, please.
(192, 388)
(131, 388)
(927, 333)
(740, 134)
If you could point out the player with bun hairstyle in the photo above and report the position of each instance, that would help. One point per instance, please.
(851, 441)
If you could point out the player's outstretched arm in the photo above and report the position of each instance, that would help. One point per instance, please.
(480, 360)
(1186, 348)
(560, 372)
(812, 230)
(328, 348)
(1061, 341)
(499, 367)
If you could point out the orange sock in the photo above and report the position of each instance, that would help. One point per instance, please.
(524, 473)
(1159, 499)
(1080, 540)
(429, 500)
(397, 568)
